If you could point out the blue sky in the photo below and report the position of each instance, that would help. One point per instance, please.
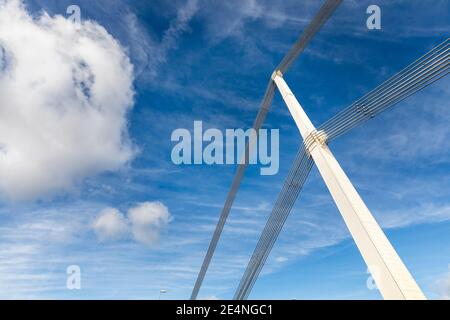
(210, 61)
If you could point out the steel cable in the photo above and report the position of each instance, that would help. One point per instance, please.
(291, 188)
(415, 77)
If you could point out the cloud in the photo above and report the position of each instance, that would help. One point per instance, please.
(147, 219)
(33, 247)
(150, 53)
(427, 213)
(178, 26)
(65, 90)
(144, 222)
(38, 244)
(110, 224)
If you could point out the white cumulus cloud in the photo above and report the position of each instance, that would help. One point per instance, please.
(65, 90)
(147, 219)
(110, 224)
(143, 223)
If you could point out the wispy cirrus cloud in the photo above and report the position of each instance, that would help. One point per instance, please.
(149, 52)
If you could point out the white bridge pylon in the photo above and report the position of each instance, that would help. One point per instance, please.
(388, 271)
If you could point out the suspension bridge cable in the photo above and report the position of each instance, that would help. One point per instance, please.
(425, 71)
(365, 102)
(282, 205)
(310, 31)
(273, 219)
(291, 188)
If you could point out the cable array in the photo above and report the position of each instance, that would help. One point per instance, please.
(415, 77)
(291, 189)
